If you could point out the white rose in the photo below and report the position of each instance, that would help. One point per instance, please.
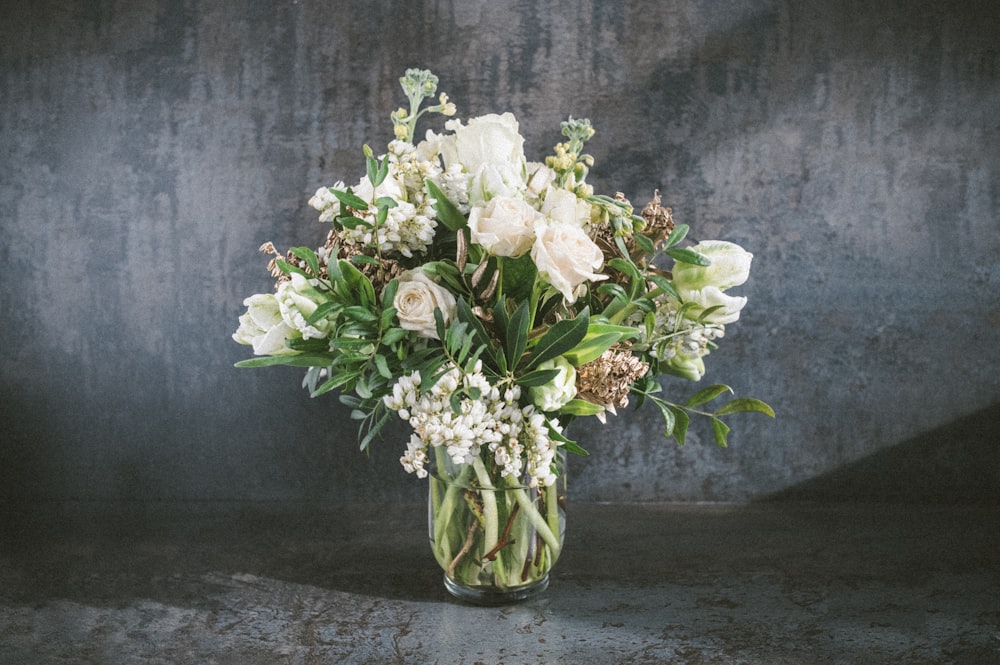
(565, 207)
(488, 139)
(566, 257)
(263, 328)
(491, 150)
(416, 299)
(559, 391)
(504, 226)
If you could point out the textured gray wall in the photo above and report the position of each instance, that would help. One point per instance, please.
(148, 147)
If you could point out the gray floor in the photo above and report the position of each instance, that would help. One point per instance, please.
(767, 583)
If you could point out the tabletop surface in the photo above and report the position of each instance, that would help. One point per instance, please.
(638, 583)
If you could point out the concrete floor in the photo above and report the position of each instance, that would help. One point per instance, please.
(767, 583)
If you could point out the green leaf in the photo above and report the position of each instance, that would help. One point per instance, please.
(681, 422)
(382, 365)
(518, 276)
(685, 255)
(560, 338)
(626, 267)
(679, 233)
(309, 257)
(338, 380)
(664, 285)
(720, 430)
(447, 212)
(349, 199)
(393, 335)
(322, 311)
(469, 317)
(707, 394)
(538, 377)
(517, 332)
(298, 360)
(668, 419)
(359, 313)
(579, 407)
(744, 405)
(591, 348)
(568, 445)
(645, 243)
(311, 345)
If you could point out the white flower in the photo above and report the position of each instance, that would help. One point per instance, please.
(560, 390)
(566, 257)
(263, 327)
(504, 226)
(712, 296)
(327, 204)
(704, 285)
(416, 299)
(539, 178)
(565, 207)
(688, 366)
(730, 267)
(298, 299)
(491, 150)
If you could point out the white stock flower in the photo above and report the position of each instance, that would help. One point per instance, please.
(566, 257)
(559, 391)
(504, 226)
(416, 299)
(326, 203)
(263, 328)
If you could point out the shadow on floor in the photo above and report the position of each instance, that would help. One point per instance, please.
(957, 463)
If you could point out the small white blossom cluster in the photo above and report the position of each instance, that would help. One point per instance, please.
(411, 222)
(681, 342)
(516, 437)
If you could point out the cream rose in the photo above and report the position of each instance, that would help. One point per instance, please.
(566, 257)
(416, 299)
(263, 328)
(504, 226)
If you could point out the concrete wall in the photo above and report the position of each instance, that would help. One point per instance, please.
(148, 147)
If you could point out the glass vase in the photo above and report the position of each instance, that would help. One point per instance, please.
(496, 538)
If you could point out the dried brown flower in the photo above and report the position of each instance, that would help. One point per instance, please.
(606, 380)
(659, 220)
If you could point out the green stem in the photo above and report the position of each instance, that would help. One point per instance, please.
(490, 517)
(446, 510)
(541, 526)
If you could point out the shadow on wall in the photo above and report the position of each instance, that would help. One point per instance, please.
(955, 463)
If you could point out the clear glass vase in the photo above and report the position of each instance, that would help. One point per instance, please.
(496, 538)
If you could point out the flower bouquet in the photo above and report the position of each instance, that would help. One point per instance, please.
(489, 301)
